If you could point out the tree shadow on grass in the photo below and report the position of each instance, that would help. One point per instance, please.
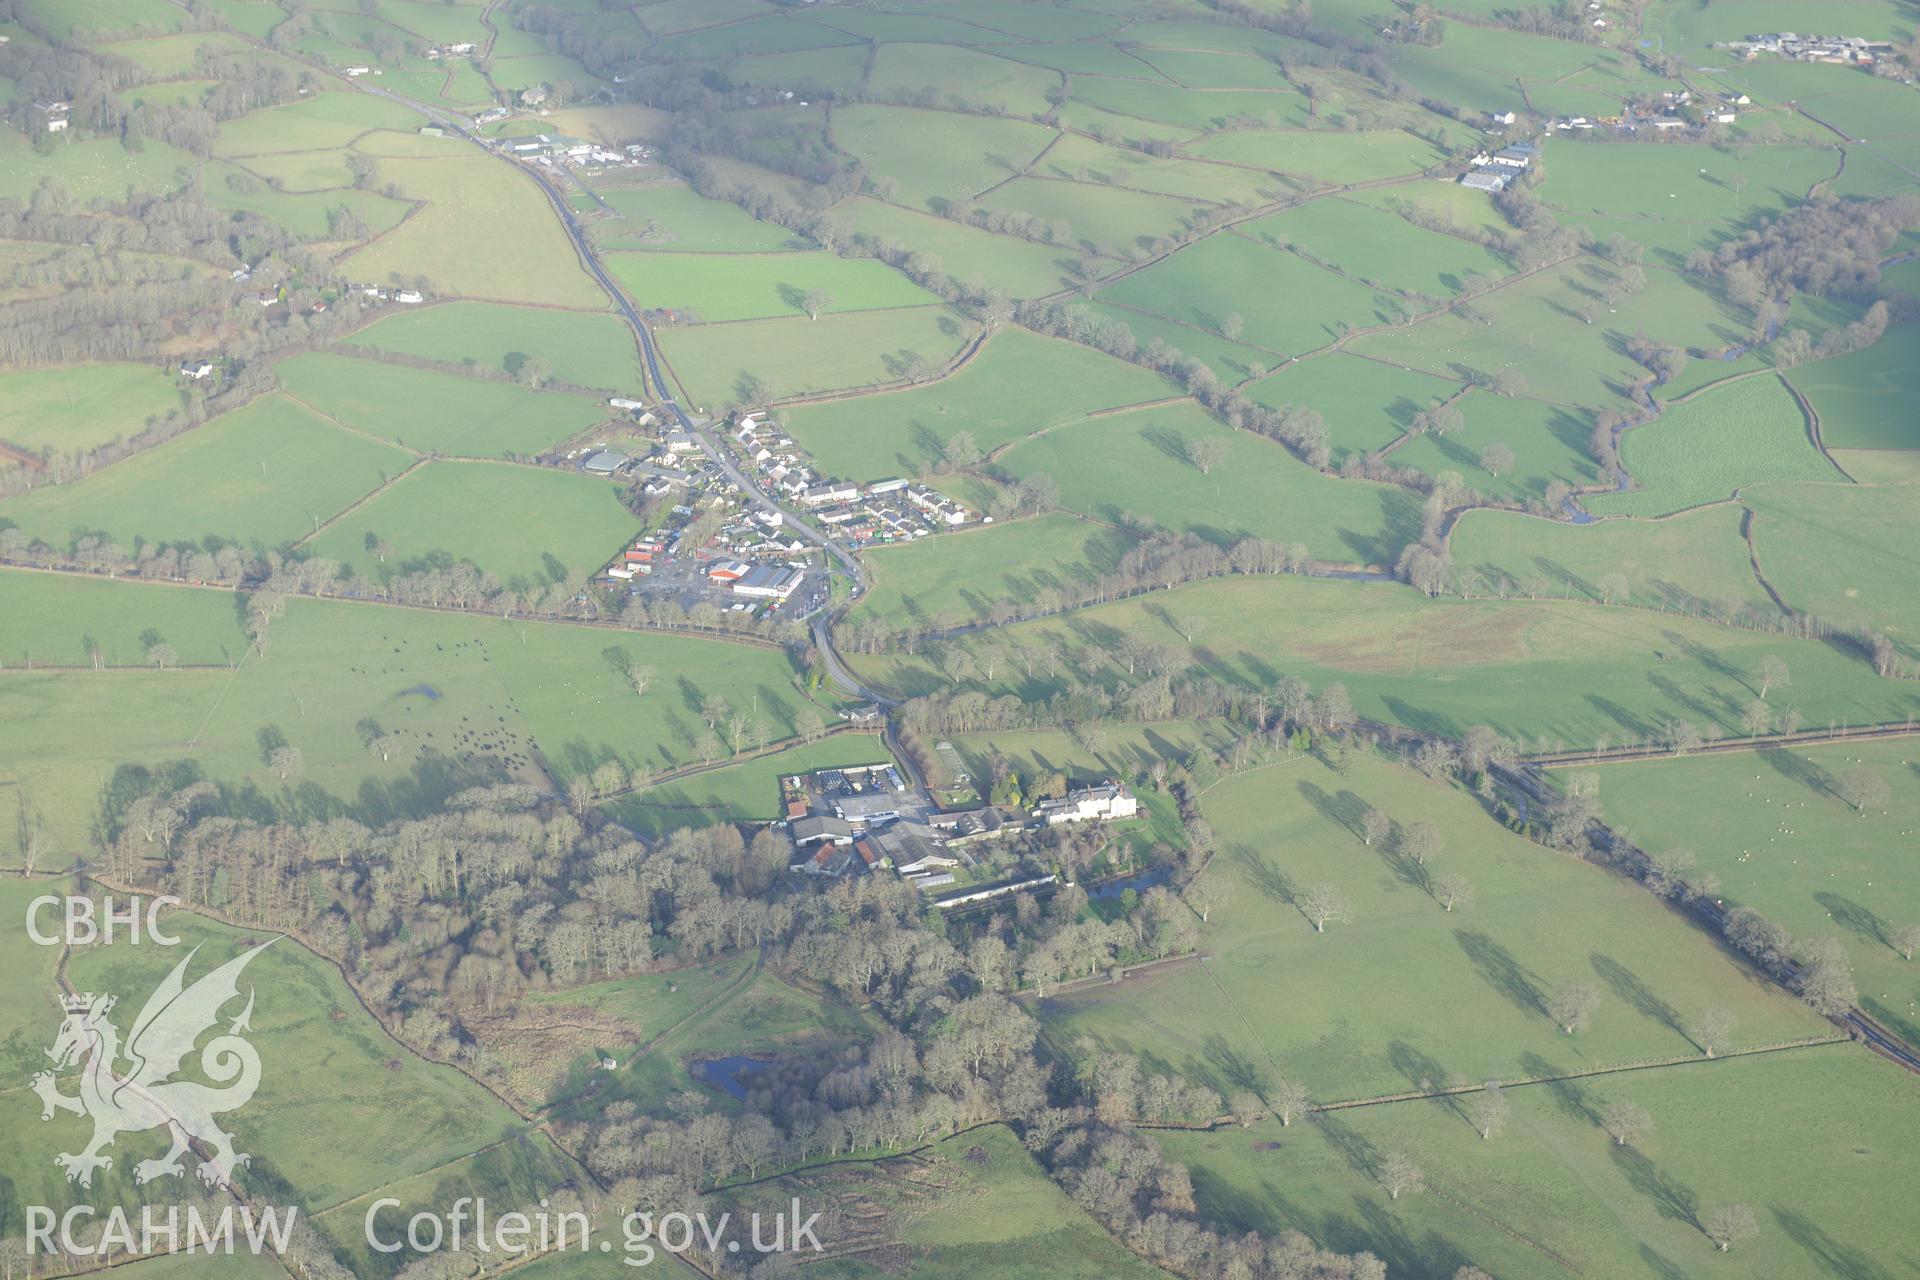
(1673, 1198)
(1628, 985)
(1854, 918)
(1836, 1257)
(1499, 970)
(1569, 1095)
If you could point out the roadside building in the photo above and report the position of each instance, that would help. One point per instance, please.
(1106, 803)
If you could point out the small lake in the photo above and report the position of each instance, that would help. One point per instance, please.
(1139, 882)
(729, 1074)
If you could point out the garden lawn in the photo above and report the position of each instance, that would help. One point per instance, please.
(1286, 303)
(1705, 448)
(1534, 670)
(1408, 996)
(1692, 563)
(82, 406)
(718, 287)
(527, 526)
(953, 578)
(586, 350)
(1771, 826)
(797, 356)
(1140, 463)
(264, 474)
(1845, 553)
(441, 413)
(1019, 384)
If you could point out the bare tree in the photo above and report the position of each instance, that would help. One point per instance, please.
(285, 762)
(1573, 1005)
(1773, 672)
(1713, 1031)
(1246, 1108)
(1489, 1110)
(1421, 841)
(1452, 890)
(1497, 459)
(1206, 453)
(1863, 788)
(816, 301)
(1374, 823)
(1400, 1176)
(1730, 1224)
(1232, 325)
(1906, 940)
(1202, 897)
(1288, 1099)
(640, 675)
(1323, 904)
(1627, 1123)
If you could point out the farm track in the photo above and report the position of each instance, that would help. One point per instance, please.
(1724, 746)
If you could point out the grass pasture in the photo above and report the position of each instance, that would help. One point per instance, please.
(1287, 304)
(931, 158)
(1534, 670)
(967, 76)
(799, 357)
(82, 406)
(717, 287)
(1367, 405)
(680, 219)
(319, 122)
(1842, 552)
(1408, 996)
(516, 523)
(1865, 399)
(1020, 384)
(1106, 220)
(440, 413)
(1689, 562)
(957, 578)
(54, 620)
(1548, 444)
(1021, 268)
(264, 474)
(1705, 448)
(1330, 156)
(1771, 826)
(1377, 247)
(1551, 1192)
(1138, 462)
(472, 200)
(586, 350)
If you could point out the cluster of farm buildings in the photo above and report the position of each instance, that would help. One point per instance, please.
(857, 515)
(867, 820)
(1850, 51)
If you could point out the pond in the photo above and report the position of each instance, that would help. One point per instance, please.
(1139, 882)
(728, 1074)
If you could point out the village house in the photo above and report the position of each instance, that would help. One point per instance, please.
(1105, 803)
(196, 369)
(50, 116)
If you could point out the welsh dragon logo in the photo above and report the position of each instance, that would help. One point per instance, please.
(146, 1096)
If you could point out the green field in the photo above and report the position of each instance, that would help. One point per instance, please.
(267, 473)
(960, 577)
(1377, 247)
(436, 413)
(961, 75)
(1110, 221)
(930, 158)
(60, 621)
(516, 523)
(1139, 463)
(1532, 670)
(1865, 399)
(1287, 304)
(1367, 404)
(748, 792)
(77, 408)
(1324, 155)
(587, 350)
(1081, 159)
(718, 287)
(1551, 1193)
(1548, 444)
(797, 356)
(682, 220)
(1021, 268)
(1019, 384)
(1407, 996)
(1841, 552)
(322, 122)
(1704, 449)
(1692, 562)
(91, 167)
(469, 202)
